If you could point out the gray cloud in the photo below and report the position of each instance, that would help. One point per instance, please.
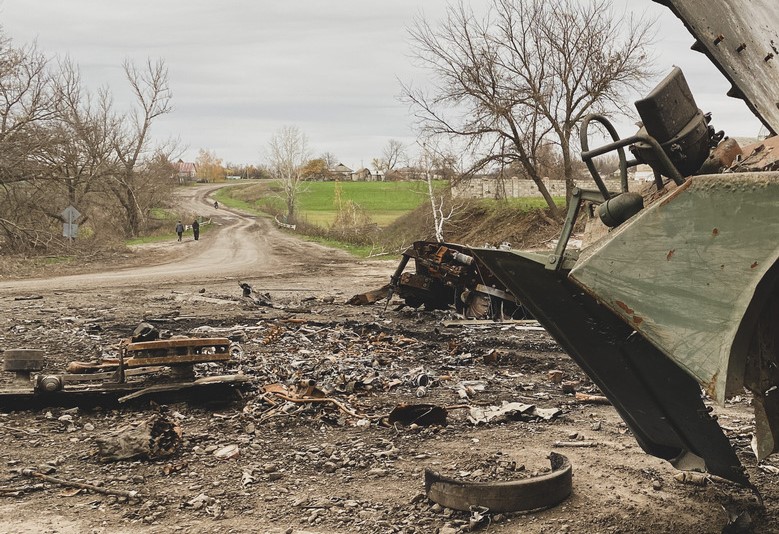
(239, 70)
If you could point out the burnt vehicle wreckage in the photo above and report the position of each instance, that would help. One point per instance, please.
(147, 368)
(677, 287)
(447, 275)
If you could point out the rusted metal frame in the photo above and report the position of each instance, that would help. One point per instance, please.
(216, 342)
(668, 167)
(535, 493)
(88, 377)
(182, 359)
(587, 155)
(578, 196)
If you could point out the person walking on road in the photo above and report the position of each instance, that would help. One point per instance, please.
(179, 229)
(196, 229)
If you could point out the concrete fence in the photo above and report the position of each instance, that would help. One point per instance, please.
(515, 187)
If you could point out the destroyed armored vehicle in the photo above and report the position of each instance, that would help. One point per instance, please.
(677, 288)
(447, 275)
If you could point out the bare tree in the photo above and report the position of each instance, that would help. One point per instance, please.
(132, 141)
(394, 154)
(27, 105)
(330, 159)
(78, 156)
(288, 155)
(439, 165)
(528, 72)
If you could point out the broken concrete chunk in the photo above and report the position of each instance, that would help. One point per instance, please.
(154, 438)
(511, 411)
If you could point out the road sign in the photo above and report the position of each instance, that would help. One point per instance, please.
(70, 214)
(70, 230)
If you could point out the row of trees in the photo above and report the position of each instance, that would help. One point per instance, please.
(61, 145)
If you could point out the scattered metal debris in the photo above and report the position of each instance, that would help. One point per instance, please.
(141, 359)
(418, 414)
(530, 494)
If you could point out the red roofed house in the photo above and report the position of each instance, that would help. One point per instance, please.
(185, 171)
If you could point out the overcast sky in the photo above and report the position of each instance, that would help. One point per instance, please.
(241, 69)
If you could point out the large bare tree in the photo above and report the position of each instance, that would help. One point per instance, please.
(77, 157)
(526, 73)
(394, 154)
(288, 154)
(133, 146)
(27, 106)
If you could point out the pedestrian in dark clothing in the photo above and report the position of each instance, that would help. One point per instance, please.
(179, 229)
(196, 229)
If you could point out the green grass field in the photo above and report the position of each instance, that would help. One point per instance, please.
(318, 203)
(384, 202)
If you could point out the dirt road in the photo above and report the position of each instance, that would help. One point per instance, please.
(239, 247)
(323, 467)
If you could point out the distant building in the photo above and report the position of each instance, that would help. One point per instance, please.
(185, 171)
(341, 171)
(643, 173)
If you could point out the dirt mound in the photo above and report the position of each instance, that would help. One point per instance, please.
(477, 223)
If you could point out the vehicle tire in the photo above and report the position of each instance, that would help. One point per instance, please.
(23, 360)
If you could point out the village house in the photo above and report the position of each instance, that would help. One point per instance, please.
(185, 171)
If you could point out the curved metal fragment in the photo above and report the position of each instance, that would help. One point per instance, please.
(524, 495)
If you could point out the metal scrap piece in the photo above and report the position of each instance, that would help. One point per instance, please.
(535, 493)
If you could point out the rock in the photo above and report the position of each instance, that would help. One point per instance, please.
(329, 467)
(228, 452)
(555, 376)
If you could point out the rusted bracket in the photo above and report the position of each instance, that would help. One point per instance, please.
(555, 261)
(534, 493)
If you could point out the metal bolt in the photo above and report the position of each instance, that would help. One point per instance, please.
(719, 39)
(741, 47)
(552, 260)
(769, 57)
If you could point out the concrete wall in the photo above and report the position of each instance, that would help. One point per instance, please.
(514, 187)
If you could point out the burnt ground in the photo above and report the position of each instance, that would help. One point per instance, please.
(326, 467)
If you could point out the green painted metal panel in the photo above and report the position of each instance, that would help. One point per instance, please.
(684, 270)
